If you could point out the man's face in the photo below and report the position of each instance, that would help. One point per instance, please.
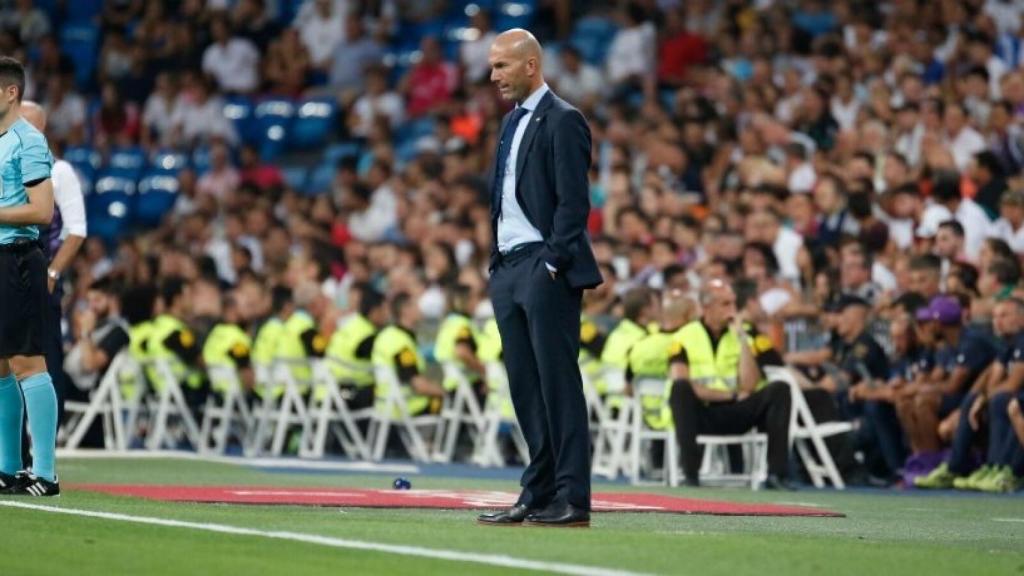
(852, 272)
(99, 304)
(947, 244)
(721, 306)
(8, 98)
(924, 282)
(1006, 319)
(511, 72)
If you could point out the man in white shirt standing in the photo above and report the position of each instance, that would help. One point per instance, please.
(234, 62)
(63, 239)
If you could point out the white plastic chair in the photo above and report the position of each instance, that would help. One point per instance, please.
(106, 402)
(641, 435)
(461, 409)
(487, 451)
(808, 435)
(610, 445)
(224, 410)
(332, 414)
(170, 402)
(393, 410)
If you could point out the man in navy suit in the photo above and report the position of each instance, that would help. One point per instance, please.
(541, 262)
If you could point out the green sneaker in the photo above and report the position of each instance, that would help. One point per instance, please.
(971, 482)
(939, 479)
(1001, 481)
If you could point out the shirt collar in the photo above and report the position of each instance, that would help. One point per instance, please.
(531, 102)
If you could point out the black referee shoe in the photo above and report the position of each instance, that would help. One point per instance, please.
(8, 482)
(36, 486)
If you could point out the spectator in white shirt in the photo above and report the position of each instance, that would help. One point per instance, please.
(159, 111)
(321, 26)
(971, 216)
(475, 49)
(1010, 226)
(631, 55)
(577, 81)
(377, 102)
(963, 140)
(233, 61)
(352, 56)
(222, 179)
(199, 117)
(66, 110)
(765, 226)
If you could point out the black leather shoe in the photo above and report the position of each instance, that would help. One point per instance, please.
(514, 516)
(778, 483)
(560, 516)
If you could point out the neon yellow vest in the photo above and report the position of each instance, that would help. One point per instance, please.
(163, 326)
(616, 349)
(716, 369)
(453, 328)
(265, 346)
(342, 347)
(648, 358)
(222, 341)
(391, 342)
(489, 342)
(138, 337)
(291, 348)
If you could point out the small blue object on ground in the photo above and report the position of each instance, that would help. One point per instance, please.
(402, 484)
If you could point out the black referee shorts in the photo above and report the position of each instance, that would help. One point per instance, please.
(23, 299)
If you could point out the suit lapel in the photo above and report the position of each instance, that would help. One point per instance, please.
(531, 131)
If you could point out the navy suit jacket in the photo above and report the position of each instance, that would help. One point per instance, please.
(553, 188)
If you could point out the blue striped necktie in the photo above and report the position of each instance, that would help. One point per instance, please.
(504, 148)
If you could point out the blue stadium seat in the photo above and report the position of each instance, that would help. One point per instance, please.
(80, 43)
(201, 160)
(83, 10)
(514, 15)
(413, 130)
(592, 36)
(314, 122)
(336, 152)
(128, 162)
(320, 179)
(274, 118)
(168, 162)
(156, 196)
(241, 112)
(85, 159)
(295, 177)
(109, 207)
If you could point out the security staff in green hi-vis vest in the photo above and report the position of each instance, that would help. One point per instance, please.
(395, 347)
(349, 351)
(718, 384)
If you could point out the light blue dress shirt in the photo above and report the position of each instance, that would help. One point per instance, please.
(514, 228)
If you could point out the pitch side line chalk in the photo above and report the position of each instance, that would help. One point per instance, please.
(437, 554)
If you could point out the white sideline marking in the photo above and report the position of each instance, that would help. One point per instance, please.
(438, 554)
(1008, 519)
(291, 463)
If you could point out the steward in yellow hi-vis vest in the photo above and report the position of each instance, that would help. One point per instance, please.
(171, 340)
(301, 339)
(268, 336)
(639, 308)
(718, 384)
(490, 352)
(395, 348)
(228, 347)
(350, 349)
(457, 341)
(649, 359)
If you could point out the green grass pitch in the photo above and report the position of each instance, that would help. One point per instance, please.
(883, 533)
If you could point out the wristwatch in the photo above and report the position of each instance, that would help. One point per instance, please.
(53, 274)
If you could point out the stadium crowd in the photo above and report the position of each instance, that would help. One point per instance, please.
(851, 168)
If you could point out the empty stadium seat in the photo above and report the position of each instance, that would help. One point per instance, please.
(80, 43)
(85, 159)
(320, 179)
(109, 207)
(274, 119)
(79, 11)
(295, 177)
(593, 36)
(241, 111)
(157, 193)
(314, 122)
(201, 160)
(127, 162)
(514, 15)
(336, 152)
(167, 162)
(413, 130)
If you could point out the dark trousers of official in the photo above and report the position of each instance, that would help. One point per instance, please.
(767, 409)
(1004, 447)
(539, 321)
